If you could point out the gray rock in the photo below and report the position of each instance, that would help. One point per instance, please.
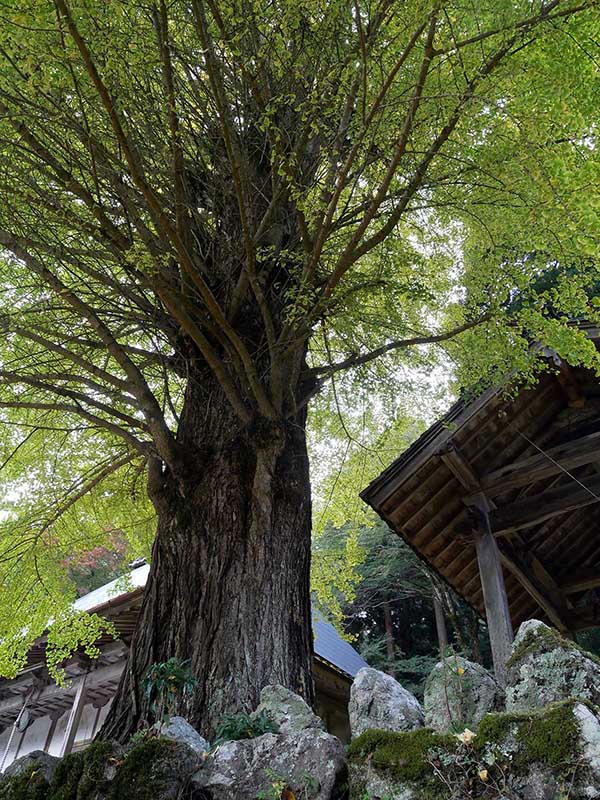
(458, 693)
(589, 727)
(287, 710)
(545, 667)
(311, 763)
(380, 702)
(367, 782)
(539, 784)
(38, 760)
(179, 729)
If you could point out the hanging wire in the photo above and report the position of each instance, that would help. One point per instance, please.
(554, 461)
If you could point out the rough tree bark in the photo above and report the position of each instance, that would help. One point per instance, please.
(229, 578)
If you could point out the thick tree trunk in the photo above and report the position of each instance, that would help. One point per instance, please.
(229, 578)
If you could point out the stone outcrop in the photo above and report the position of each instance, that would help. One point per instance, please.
(377, 701)
(541, 755)
(310, 763)
(178, 729)
(545, 668)
(458, 693)
(43, 763)
(153, 768)
(287, 710)
(301, 757)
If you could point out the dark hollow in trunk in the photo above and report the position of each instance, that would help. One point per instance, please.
(229, 578)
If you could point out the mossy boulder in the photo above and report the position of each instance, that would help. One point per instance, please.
(545, 667)
(43, 763)
(379, 702)
(154, 769)
(541, 755)
(30, 784)
(388, 765)
(458, 693)
(151, 769)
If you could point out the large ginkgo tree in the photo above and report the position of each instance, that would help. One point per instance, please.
(208, 208)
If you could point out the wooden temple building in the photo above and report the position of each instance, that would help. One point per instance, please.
(36, 714)
(501, 498)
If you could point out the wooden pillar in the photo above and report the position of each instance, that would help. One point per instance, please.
(54, 715)
(494, 595)
(440, 625)
(74, 717)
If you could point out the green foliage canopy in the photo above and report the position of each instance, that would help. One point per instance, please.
(357, 178)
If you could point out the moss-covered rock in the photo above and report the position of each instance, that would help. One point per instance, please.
(29, 785)
(386, 764)
(154, 769)
(549, 753)
(66, 778)
(545, 668)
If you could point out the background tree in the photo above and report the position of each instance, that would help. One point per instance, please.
(391, 614)
(211, 207)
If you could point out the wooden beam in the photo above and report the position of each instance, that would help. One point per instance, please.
(461, 469)
(488, 558)
(74, 717)
(576, 453)
(528, 569)
(535, 509)
(97, 677)
(583, 582)
(54, 715)
(531, 574)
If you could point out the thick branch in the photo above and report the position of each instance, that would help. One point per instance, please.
(354, 361)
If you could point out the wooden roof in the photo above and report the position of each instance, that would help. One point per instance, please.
(535, 457)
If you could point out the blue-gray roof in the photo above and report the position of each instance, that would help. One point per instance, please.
(330, 646)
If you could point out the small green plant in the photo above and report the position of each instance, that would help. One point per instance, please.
(234, 727)
(276, 789)
(141, 735)
(280, 786)
(166, 684)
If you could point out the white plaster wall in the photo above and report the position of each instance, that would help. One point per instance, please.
(103, 714)
(37, 733)
(85, 730)
(35, 736)
(59, 734)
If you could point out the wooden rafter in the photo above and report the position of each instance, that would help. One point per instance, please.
(585, 580)
(536, 580)
(568, 456)
(538, 508)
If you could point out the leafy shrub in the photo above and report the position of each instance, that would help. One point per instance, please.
(166, 684)
(234, 727)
